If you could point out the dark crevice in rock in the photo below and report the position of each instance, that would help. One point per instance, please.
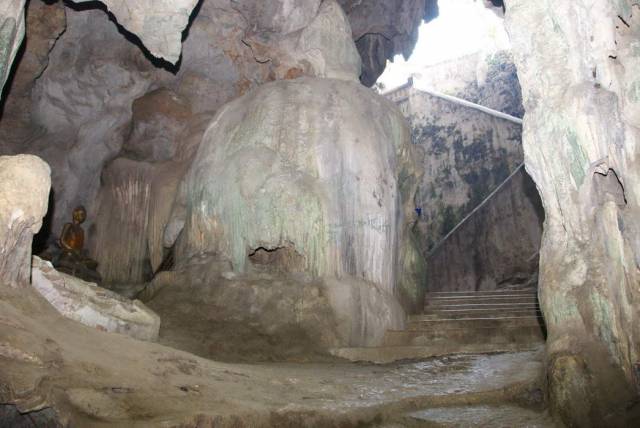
(609, 187)
(282, 258)
(624, 21)
(10, 416)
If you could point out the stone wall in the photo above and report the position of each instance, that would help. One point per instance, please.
(496, 245)
(468, 153)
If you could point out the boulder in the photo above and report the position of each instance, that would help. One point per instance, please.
(91, 305)
(24, 191)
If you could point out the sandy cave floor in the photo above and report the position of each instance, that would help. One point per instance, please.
(93, 378)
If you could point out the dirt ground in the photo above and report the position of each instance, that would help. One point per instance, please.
(93, 378)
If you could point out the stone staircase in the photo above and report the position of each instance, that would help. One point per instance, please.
(462, 322)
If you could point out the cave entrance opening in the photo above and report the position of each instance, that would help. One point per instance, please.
(478, 213)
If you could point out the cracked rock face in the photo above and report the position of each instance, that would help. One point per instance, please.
(578, 64)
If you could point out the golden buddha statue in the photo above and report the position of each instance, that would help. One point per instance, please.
(72, 236)
(73, 258)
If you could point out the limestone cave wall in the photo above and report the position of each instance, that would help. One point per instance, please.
(578, 65)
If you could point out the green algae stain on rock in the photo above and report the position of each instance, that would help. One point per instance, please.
(633, 94)
(7, 40)
(578, 159)
(604, 317)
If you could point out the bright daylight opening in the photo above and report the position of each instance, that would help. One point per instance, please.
(463, 27)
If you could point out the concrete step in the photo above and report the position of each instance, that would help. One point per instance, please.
(471, 323)
(478, 311)
(481, 293)
(388, 354)
(448, 335)
(449, 315)
(439, 301)
(480, 305)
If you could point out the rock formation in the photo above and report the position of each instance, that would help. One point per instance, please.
(24, 190)
(309, 175)
(578, 65)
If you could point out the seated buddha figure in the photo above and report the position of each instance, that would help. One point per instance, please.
(73, 258)
(72, 237)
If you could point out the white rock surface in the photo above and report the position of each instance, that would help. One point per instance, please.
(24, 190)
(94, 306)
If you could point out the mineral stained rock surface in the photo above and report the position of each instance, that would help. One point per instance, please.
(91, 305)
(298, 167)
(24, 190)
(578, 63)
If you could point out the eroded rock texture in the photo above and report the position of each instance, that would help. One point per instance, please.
(292, 176)
(24, 189)
(578, 64)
